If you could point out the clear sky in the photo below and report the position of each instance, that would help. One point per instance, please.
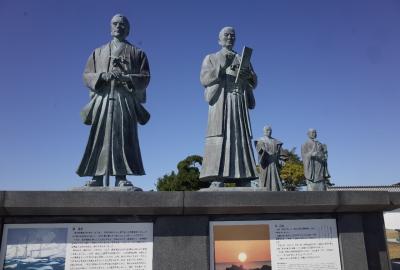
(333, 65)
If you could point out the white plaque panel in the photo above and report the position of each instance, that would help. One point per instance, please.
(88, 246)
(308, 244)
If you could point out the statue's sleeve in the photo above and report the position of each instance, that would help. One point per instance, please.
(279, 150)
(326, 172)
(251, 101)
(142, 77)
(210, 78)
(260, 147)
(307, 162)
(253, 79)
(252, 84)
(210, 72)
(305, 152)
(91, 78)
(262, 154)
(325, 149)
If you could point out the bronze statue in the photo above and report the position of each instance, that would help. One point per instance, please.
(117, 75)
(315, 156)
(269, 157)
(229, 89)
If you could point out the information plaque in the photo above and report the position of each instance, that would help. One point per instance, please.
(73, 246)
(308, 244)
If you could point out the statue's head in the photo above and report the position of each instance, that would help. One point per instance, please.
(268, 131)
(120, 26)
(227, 37)
(312, 133)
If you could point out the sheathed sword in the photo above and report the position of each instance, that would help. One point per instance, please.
(110, 114)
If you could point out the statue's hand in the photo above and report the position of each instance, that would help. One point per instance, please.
(119, 76)
(106, 76)
(228, 60)
(245, 73)
(124, 78)
(116, 74)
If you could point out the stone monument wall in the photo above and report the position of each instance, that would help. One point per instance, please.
(181, 220)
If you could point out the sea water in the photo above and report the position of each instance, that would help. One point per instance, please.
(246, 265)
(46, 263)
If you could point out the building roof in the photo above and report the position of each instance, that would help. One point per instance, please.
(391, 188)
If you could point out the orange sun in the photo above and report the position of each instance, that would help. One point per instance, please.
(242, 257)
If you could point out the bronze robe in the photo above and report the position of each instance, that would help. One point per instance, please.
(116, 116)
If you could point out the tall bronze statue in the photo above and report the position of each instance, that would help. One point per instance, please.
(117, 75)
(229, 89)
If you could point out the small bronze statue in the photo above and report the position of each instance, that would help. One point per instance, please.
(269, 157)
(315, 156)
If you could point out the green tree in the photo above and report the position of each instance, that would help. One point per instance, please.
(292, 172)
(187, 177)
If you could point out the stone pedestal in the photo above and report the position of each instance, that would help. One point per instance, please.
(181, 219)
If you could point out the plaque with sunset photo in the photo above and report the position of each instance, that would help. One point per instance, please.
(241, 247)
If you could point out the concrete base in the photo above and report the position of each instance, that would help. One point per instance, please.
(230, 189)
(135, 189)
(181, 219)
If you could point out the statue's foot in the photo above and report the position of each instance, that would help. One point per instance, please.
(243, 184)
(317, 185)
(216, 184)
(121, 181)
(93, 183)
(126, 183)
(255, 183)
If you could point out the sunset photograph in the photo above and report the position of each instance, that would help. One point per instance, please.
(242, 247)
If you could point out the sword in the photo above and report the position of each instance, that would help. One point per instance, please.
(111, 117)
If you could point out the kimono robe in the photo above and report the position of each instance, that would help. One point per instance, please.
(315, 165)
(269, 153)
(228, 151)
(113, 146)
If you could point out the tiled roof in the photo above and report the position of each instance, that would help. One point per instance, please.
(391, 188)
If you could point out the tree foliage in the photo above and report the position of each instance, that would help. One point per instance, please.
(292, 172)
(187, 177)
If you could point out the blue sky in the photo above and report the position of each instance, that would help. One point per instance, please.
(331, 65)
(36, 235)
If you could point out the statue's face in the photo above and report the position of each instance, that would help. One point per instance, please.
(312, 134)
(119, 27)
(268, 132)
(227, 38)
